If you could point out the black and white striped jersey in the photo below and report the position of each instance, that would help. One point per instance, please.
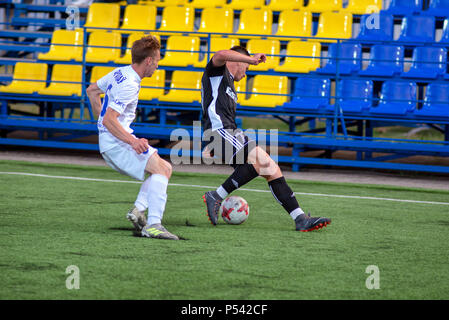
(218, 98)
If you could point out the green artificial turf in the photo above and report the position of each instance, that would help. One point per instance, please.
(48, 224)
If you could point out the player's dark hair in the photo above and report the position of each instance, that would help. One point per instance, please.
(241, 50)
(143, 48)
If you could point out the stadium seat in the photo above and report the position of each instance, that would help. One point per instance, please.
(369, 31)
(397, 98)
(254, 21)
(404, 7)
(103, 47)
(427, 63)
(217, 20)
(271, 48)
(345, 58)
(309, 60)
(246, 4)
(216, 44)
(311, 94)
(354, 95)
(294, 23)
(437, 8)
(417, 29)
(127, 58)
(318, 6)
(178, 19)
(139, 17)
(276, 88)
(334, 25)
(185, 51)
(201, 4)
(102, 15)
(280, 5)
(363, 6)
(65, 45)
(190, 80)
(436, 101)
(66, 80)
(35, 73)
(157, 82)
(385, 61)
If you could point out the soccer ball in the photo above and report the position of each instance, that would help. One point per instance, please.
(234, 210)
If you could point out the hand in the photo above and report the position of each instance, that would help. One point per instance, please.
(258, 58)
(140, 145)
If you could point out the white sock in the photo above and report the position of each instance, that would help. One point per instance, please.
(295, 213)
(157, 197)
(141, 202)
(222, 192)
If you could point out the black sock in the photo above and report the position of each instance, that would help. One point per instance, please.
(242, 174)
(283, 194)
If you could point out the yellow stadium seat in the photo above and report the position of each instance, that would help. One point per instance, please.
(246, 4)
(217, 20)
(279, 5)
(269, 85)
(294, 23)
(318, 6)
(36, 72)
(102, 15)
(334, 25)
(103, 47)
(363, 6)
(99, 72)
(254, 21)
(191, 46)
(200, 4)
(61, 75)
(176, 19)
(157, 80)
(240, 88)
(190, 80)
(139, 17)
(305, 49)
(217, 44)
(65, 45)
(127, 58)
(271, 48)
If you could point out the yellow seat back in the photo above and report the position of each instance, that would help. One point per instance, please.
(139, 17)
(103, 46)
(103, 15)
(310, 53)
(363, 6)
(216, 44)
(334, 25)
(254, 21)
(23, 71)
(279, 5)
(184, 80)
(268, 85)
(294, 24)
(65, 46)
(318, 6)
(191, 46)
(219, 20)
(157, 80)
(271, 48)
(177, 19)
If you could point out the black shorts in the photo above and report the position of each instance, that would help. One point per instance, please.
(228, 146)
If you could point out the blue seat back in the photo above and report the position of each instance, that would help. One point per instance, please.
(399, 93)
(430, 58)
(348, 55)
(389, 56)
(314, 89)
(370, 31)
(437, 96)
(418, 28)
(356, 92)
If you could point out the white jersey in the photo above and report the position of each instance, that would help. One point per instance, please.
(121, 87)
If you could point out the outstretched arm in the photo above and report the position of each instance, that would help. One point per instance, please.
(222, 56)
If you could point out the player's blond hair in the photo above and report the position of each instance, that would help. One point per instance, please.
(144, 48)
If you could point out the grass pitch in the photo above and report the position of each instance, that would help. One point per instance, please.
(48, 224)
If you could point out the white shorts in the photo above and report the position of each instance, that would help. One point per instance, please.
(124, 159)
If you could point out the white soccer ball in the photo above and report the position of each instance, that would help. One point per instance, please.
(234, 210)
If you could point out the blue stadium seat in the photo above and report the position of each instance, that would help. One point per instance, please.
(403, 7)
(310, 94)
(349, 59)
(396, 98)
(436, 101)
(385, 61)
(437, 8)
(427, 63)
(355, 95)
(370, 31)
(417, 29)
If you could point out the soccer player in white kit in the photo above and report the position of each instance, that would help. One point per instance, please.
(123, 151)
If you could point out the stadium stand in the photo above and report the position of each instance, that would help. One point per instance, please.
(329, 62)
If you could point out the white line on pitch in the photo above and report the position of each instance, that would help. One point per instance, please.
(209, 187)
